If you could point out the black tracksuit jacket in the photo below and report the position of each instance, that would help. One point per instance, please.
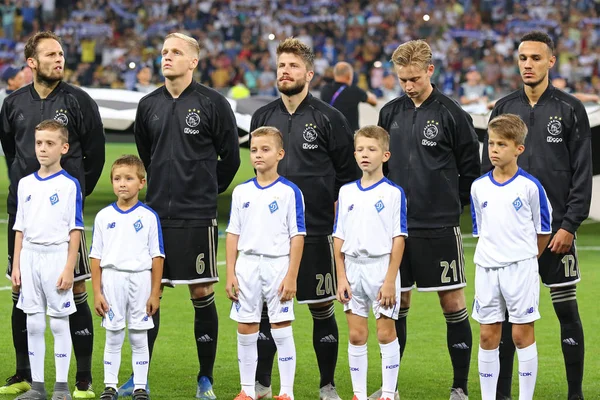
(558, 151)
(190, 148)
(24, 109)
(435, 157)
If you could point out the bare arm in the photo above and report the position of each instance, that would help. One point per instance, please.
(231, 252)
(387, 293)
(344, 293)
(542, 241)
(16, 261)
(157, 272)
(65, 280)
(287, 289)
(371, 99)
(100, 303)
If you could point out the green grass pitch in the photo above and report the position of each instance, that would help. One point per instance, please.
(425, 372)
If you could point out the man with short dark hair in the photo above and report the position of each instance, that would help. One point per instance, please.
(51, 98)
(558, 153)
(345, 96)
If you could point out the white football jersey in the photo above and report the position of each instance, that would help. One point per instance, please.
(266, 218)
(368, 219)
(507, 217)
(127, 240)
(48, 209)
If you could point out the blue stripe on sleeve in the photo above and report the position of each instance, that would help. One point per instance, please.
(299, 205)
(78, 200)
(545, 217)
(158, 227)
(474, 218)
(337, 214)
(403, 212)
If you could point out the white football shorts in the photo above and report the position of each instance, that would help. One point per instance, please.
(259, 278)
(365, 276)
(41, 267)
(515, 288)
(126, 294)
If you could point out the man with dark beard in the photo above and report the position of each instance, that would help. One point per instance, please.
(319, 159)
(558, 153)
(51, 98)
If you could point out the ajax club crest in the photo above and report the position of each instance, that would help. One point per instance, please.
(309, 134)
(555, 126)
(431, 129)
(61, 116)
(193, 118)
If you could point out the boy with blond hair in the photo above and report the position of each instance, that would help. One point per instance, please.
(368, 242)
(512, 218)
(48, 229)
(265, 238)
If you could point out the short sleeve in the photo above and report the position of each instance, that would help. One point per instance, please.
(235, 225)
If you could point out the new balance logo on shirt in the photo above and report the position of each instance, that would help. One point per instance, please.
(204, 339)
(328, 339)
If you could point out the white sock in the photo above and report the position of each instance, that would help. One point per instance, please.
(247, 360)
(140, 358)
(528, 366)
(62, 346)
(489, 368)
(286, 359)
(36, 327)
(359, 362)
(112, 357)
(390, 364)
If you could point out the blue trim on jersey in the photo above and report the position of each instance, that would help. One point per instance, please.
(78, 199)
(491, 175)
(298, 198)
(544, 211)
(268, 186)
(474, 218)
(92, 245)
(116, 207)
(373, 186)
(39, 178)
(403, 210)
(158, 227)
(337, 214)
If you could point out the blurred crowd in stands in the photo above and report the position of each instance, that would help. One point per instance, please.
(117, 43)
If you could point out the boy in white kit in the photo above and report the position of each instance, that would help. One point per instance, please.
(127, 263)
(512, 218)
(48, 230)
(369, 234)
(266, 234)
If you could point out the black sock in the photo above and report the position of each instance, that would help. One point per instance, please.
(401, 329)
(153, 333)
(571, 335)
(325, 342)
(19, 334)
(82, 335)
(459, 341)
(507, 359)
(206, 331)
(266, 350)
